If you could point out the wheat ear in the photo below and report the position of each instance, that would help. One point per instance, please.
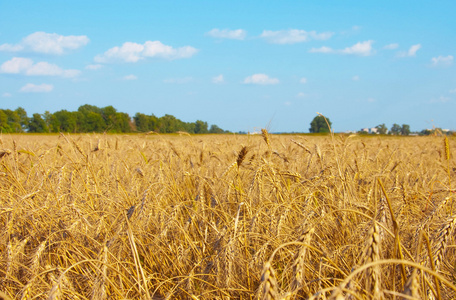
(298, 264)
(37, 257)
(266, 138)
(268, 279)
(411, 287)
(372, 254)
(443, 237)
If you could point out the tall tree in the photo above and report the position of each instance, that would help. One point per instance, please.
(37, 124)
(4, 125)
(382, 129)
(396, 129)
(405, 129)
(319, 125)
(201, 127)
(23, 119)
(215, 129)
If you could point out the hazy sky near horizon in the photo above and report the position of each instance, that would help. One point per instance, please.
(238, 64)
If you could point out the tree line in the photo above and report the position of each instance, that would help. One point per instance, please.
(322, 124)
(90, 118)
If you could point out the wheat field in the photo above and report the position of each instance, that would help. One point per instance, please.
(227, 217)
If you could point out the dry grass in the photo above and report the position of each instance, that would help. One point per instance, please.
(226, 217)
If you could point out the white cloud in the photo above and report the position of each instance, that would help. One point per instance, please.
(130, 77)
(322, 50)
(44, 68)
(356, 28)
(411, 52)
(93, 67)
(287, 103)
(20, 65)
(218, 79)
(360, 48)
(293, 36)
(238, 34)
(16, 65)
(128, 52)
(391, 46)
(453, 91)
(441, 99)
(371, 100)
(34, 88)
(10, 48)
(134, 52)
(6, 95)
(48, 43)
(355, 78)
(70, 73)
(262, 79)
(303, 80)
(301, 95)
(442, 61)
(178, 80)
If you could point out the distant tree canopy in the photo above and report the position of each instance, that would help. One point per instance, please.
(382, 129)
(400, 130)
(90, 118)
(319, 125)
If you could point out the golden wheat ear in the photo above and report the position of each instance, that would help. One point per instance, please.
(298, 264)
(269, 282)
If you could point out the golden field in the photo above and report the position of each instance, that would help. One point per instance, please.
(227, 217)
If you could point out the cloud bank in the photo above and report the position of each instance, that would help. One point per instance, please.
(26, 66)
(238, 34)
(293, 36)
(360, 48)
(411, 52)
(47, 43)
(261, 79)
(37, 88)
(218, 79)
(134, 52)
(442, 61)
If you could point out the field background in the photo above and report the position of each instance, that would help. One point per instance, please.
(226, 217)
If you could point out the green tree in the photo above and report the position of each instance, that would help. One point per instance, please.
(93, 122)
(319, 125)
(382, 129)
(405, 129)
(47, 116)
(37, 124)
(65, 121)
(396, 129)
(168, 124)
(86, 108)
(215, 129)
(23, 119)
(14, 122)
(201, 127)
(141, 122)
(4, 125)
(90, 119)
(122, 122)
(109, 114)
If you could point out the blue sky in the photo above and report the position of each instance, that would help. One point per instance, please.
(238, 64)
